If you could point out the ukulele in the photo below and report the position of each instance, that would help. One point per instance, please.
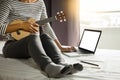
(19, 34)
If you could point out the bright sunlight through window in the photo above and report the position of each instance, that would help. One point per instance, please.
(100, 13)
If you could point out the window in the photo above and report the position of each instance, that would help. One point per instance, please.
(100, 13)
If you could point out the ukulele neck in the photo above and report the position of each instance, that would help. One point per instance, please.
(41, 22)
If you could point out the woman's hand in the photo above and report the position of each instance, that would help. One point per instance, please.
(68, 49)
(65, 48)
(30, 26)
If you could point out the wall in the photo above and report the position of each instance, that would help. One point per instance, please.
(48, 7)
(110, 38)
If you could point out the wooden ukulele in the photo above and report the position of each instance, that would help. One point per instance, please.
(19, 34)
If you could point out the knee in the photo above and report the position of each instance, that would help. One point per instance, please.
(44, 37)
(33, 37)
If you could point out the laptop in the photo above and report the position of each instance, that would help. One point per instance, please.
(88, 43)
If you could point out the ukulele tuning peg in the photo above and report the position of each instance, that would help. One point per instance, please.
(65, 20)
(61, 11)
(58, 13)
(61, 20)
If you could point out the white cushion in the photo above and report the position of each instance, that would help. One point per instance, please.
(1, 46)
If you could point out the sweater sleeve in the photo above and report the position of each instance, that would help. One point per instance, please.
(4, 13)
(47, 28)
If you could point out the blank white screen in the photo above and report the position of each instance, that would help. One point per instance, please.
(89, 40)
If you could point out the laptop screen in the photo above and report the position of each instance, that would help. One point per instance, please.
(89, 39)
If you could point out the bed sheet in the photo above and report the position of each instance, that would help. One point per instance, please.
(20, 69)
(16, 69)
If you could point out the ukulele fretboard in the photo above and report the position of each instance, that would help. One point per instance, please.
(41, 22)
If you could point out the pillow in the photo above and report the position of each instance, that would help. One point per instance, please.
(1, 46)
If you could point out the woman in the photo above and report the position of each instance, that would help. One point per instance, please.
(42, 48)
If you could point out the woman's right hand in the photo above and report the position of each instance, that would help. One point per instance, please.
(31, 27)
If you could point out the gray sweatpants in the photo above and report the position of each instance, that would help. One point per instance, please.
(41, 48)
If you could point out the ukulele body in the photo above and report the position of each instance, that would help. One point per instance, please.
(21, 33)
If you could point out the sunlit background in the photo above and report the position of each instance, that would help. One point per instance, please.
(100, 13)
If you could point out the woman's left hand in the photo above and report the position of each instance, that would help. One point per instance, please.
(68, 49)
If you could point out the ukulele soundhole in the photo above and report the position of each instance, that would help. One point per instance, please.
(18, 32)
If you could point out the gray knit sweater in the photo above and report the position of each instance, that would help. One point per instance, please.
(11, 10)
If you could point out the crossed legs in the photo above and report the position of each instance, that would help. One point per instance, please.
(44, 52)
